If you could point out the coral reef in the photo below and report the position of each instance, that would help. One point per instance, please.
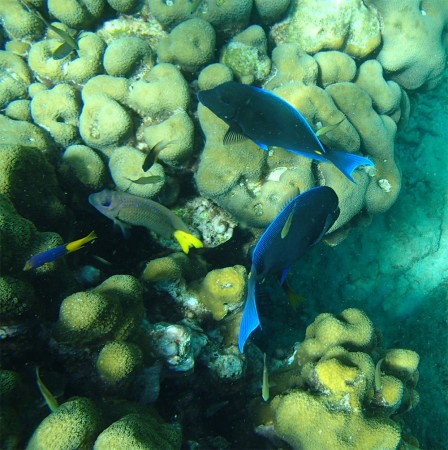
(92, 93)
(331, 379)
(74, 424)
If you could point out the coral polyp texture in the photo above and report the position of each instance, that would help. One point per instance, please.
(105, 95)
(339, 389)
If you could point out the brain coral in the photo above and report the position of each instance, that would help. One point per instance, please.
(75, 424)
(140, 432)
(255, 185)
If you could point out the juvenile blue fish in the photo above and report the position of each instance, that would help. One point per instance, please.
(301, 224)
(268, 120)
(127, 210)
(54, 253)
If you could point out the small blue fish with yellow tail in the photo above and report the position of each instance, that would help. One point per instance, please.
(127, 210)
(302, 223)
(54, 253)
(268, 120)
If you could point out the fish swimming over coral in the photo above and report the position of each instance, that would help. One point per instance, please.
(50, 255)
(127, 210)
(302, 223)
(268, 120)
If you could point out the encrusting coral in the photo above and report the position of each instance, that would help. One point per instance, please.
(339, 390)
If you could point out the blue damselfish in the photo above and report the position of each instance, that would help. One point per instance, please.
(301, 224)
(268, 120)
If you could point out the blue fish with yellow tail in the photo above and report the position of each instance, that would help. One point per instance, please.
(127, 210)
(302, 223)
(50, 255)
(268, 120)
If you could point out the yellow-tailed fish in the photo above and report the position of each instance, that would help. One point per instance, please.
(265, 385)
(294, 298)
(128, 210)
(153, 154)
(69, 45)
(378, 385)
(49, 398)
(50, 255)
(328, 128)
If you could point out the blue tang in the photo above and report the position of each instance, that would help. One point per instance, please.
(302, 223)
(268, 120)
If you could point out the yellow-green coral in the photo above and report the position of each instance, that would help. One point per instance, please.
(86, 316)
(332, 389)
(118, 360)
(139, 432)
(306, 423)
(222, 290)
(16, 298)
(75, 424)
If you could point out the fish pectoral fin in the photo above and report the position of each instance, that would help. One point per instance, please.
(284, 274)
(233, 135)
(187, 240)
(124, 227)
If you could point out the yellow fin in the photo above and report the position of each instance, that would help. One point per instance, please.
(76, 245)
(287, 224)
(49, 398)
(187, 240)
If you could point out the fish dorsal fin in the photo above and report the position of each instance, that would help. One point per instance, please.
(233, 136)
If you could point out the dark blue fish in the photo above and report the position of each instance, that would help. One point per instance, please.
(301, 224)
(268, 120)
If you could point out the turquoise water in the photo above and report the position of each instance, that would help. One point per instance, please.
(137, 341)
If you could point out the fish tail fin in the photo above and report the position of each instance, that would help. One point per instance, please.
(187, 240)
(347, 162)
(76, 245)
(250, 320)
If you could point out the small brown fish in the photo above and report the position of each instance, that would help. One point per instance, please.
(153, 154)
(69, 45)
(150, 179)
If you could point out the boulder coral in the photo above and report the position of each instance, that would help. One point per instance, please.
(143, 431)
(37, 198)
(246, 55)
(61, 118)
(118, 360)
(411, 31)
(112, 309)
(76, 71)
(15, 76)
(350, 26)
(128, 56)
(222, 290)
(336, 387)
(19, 23)
(190, 45)
(75, 424)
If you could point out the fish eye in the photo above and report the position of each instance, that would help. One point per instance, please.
(105, 203)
